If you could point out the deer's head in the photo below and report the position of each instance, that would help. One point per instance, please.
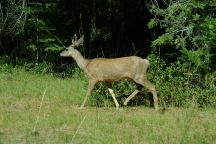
(70, 50)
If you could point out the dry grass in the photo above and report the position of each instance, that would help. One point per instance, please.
(60, 120)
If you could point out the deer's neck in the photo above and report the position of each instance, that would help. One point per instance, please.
(81, 61)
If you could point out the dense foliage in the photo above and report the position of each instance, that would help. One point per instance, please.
(189, 26)
(12, 17)
(179, 35)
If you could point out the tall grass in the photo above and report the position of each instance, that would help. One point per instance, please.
(60, 120)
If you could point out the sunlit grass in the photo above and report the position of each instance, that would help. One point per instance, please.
(61, 121)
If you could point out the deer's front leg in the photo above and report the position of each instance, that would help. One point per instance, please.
(88, 93)
(114, 97)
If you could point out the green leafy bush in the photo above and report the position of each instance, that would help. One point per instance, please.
(181, 84)
(178, 84)
(189, 26)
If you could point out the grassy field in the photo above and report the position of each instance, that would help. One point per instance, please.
(37, 108)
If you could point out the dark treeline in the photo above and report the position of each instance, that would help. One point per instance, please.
(39, 30)
(176, 36)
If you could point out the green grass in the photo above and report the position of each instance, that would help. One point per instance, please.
(60, 121)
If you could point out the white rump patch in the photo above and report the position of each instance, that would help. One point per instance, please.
(146, 61)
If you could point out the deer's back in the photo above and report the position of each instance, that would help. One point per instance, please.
(104, 69)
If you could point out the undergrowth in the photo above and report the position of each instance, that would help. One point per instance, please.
(178, 84)
(182, 84)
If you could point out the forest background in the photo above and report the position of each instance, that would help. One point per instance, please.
(177, 36)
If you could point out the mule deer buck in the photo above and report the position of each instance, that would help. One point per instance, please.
(104, 69)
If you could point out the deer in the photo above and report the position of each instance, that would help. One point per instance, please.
(111, 69)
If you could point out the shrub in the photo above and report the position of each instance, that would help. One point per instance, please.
(178, 84)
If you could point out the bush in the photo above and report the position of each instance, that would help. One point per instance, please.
(178, 84)
(188, 26)
(181, 84)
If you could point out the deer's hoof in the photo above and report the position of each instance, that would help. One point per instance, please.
(125, 103)
(156, 108)
(81, 107)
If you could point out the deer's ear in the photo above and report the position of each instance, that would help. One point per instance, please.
(70, 47)
(74, 38)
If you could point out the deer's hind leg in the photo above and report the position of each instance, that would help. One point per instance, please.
(130, 97)
(145, 83)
